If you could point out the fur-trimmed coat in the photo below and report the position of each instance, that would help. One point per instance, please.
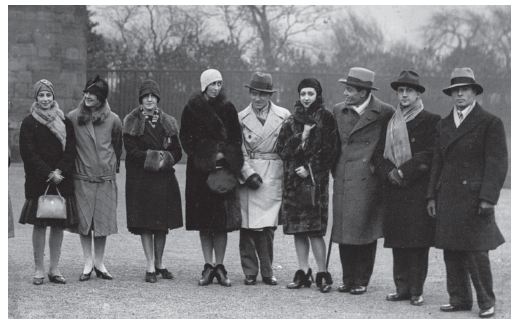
(209, 127)
(153, 200)
(320, 152)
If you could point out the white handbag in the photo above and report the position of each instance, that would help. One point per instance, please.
(51, 206)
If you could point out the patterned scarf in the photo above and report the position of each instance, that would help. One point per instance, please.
(53, 119)
(151, 119)
(397, 145)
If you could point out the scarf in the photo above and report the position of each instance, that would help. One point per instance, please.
(151, 119)
(262, 115)
(360, 109)
(53, 119)
(309, 115)
(397, 145)
(96, 115)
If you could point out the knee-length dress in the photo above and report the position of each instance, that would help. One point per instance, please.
(320, 151)
(99, 147)
(153, 201)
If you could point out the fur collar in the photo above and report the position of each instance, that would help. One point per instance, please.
(309, 116)
(135, 123)
(98, 116)
(205, 111)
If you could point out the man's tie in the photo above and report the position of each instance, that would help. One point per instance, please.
(460, 116)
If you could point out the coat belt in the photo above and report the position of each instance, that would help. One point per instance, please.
(264, 156)
(94, 179)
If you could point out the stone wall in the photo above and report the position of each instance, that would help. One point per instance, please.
(45, 42)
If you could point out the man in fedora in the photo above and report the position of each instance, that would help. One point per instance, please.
(403, 159)
(357, 211)
(261, 178)
(468, 172)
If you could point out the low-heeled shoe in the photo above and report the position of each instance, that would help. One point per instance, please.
(151, 277)
(207, 275)
(164, 272)
(416, 300)
(37, 281)
(86, 276)
(397, 297)
(270, 280)
(57, 279)
(486, 313)
(221, 275)
(450, 307)
(358, 290)
(250, 280)
(345, 288)
(103, 275)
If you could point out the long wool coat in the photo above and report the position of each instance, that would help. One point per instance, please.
(469, 165)
(407, 223)
(209, 127)
(357, 209)
(153, 200)
(320, 152)
(260, 207)
(99, 147)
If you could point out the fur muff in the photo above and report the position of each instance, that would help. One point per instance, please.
(168, 161)
(152, 162)
(97, 116)
(135, 123)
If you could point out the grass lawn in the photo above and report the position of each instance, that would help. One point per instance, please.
(128, 296)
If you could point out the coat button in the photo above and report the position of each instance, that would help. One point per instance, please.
(367, 142)
(413, 140)
(249, 136)
(465, 182)
(364, 159)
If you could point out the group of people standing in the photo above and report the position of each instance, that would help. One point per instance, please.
(402, 174)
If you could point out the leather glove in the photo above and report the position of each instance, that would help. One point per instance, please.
(254, 181)
(486, 209)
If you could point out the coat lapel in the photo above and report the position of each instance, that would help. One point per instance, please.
(371, 115)
(90, 128)
(410, 126)
(251, 122)
(471, 121)
(273, 121)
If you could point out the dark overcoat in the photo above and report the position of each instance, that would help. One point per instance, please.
(42, 153)
(153, 200)
(209, 127)
(469, 165)
(406, 222)
(320, 152)
(357, 210)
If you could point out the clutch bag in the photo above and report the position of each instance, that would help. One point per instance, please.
(310, 193)
(51, 206)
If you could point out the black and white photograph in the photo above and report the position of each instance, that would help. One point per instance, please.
(272, 161)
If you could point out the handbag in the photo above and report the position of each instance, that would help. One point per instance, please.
(221, 180)
(310, 193)
(51, 206)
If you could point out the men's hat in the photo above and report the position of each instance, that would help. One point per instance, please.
(360, 77)
(43, 84)
(408, 78)
(149, 87)
(261, 82)
(208, 77)
(463, 77)
(97, 86)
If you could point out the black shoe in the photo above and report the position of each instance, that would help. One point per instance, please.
(207, 275)
(416, 300)
(151, 277)
(104, 275)
(57, 279)
(486, 313)
(324, 281)
(450, 307)
(37, 281)
(270, 280)
(397, 297)
(358, 290)
(85, 276)
(301, 279)
(345, 288)
(250, 280)
(221, 275)
(164, 272)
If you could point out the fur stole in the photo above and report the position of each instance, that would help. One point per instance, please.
(135, 123)
(97, 116)
(53, 119)
(311, 115)
(205, 111)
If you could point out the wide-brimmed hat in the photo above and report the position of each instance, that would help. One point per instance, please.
(463, 77)
(360, 77)
(408, 78)
(261, 82)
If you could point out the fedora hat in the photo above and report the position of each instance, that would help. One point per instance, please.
(261, 82)
(408, 78)
(463, 77)
(360, 77)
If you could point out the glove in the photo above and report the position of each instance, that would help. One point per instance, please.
(394, 177)
(254, 181)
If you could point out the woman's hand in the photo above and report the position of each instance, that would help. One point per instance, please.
(302, 172)
(307, 131)
(220, 156)
(431, 208)
(55, 177)
(161, 159)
